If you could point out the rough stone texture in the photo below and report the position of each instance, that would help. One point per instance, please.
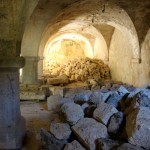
(54, 102)
(72, 112)
(122, 91)
(71, 93)
(142, 98)
(84, 106)
(63, 79)
(49, 142)
(106, 144)
(88, 130)
(82, 96)
(75, 145)
(127, 146)
(126, 103)
(137, 127)
(32, 95)
(115, 122)
(98, 96)
(61, 131)
(114, 99)
(103, 112)
(79, 69)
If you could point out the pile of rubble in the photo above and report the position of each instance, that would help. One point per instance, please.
(116, 117)
(80, 69)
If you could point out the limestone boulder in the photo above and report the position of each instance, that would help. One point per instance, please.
(61, 131)
(103, 112)
(74, 145)
(72, 112)
(49, 142)
(138, 127)
(88, 131)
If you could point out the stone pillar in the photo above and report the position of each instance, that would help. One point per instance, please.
(40, 66)
(12, 125)
(29, 72)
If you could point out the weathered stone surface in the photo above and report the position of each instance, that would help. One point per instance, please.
(84, 106)
(122, 91)
(117, 96)
(32, 95)
(71, 93)
(61, 131)
(114, 99)
(103, 112)
(63, 79)
(127, 146)
(115, 123)
(106, 144)
(49, 142)
(82, 96)
(54, 102)
(98, 96)
(137, 127)
(75, 145)
(88, 130)
(72, 112)
(142, 98)
(125, 104)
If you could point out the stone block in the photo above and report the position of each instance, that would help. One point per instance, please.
(106, 144)
(98, 96)
(55, 102)
(103, 112)
(32, 95)
(72, 112)
(74, 145)
(138, 127)
(128, 146)
(88, 131)
(61, 131)
(49, 142)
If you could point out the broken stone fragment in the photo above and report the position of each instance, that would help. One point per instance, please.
(128, 146)
(63, 79)
(106, 144)
(88, 131)
(98, 96)
(138, 127)
(49, 142)
(75, 145)
(61, 131)
(72, 112)
(54, 102)
(115, 123)
(103, 112)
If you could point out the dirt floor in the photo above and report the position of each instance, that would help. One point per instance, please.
(37, 116)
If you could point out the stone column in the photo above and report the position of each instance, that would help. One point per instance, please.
(40, 66)
(29, 72)
(12, 125)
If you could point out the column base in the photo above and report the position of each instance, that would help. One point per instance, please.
(12, 137)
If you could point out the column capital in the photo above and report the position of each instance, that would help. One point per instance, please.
(12, 62)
